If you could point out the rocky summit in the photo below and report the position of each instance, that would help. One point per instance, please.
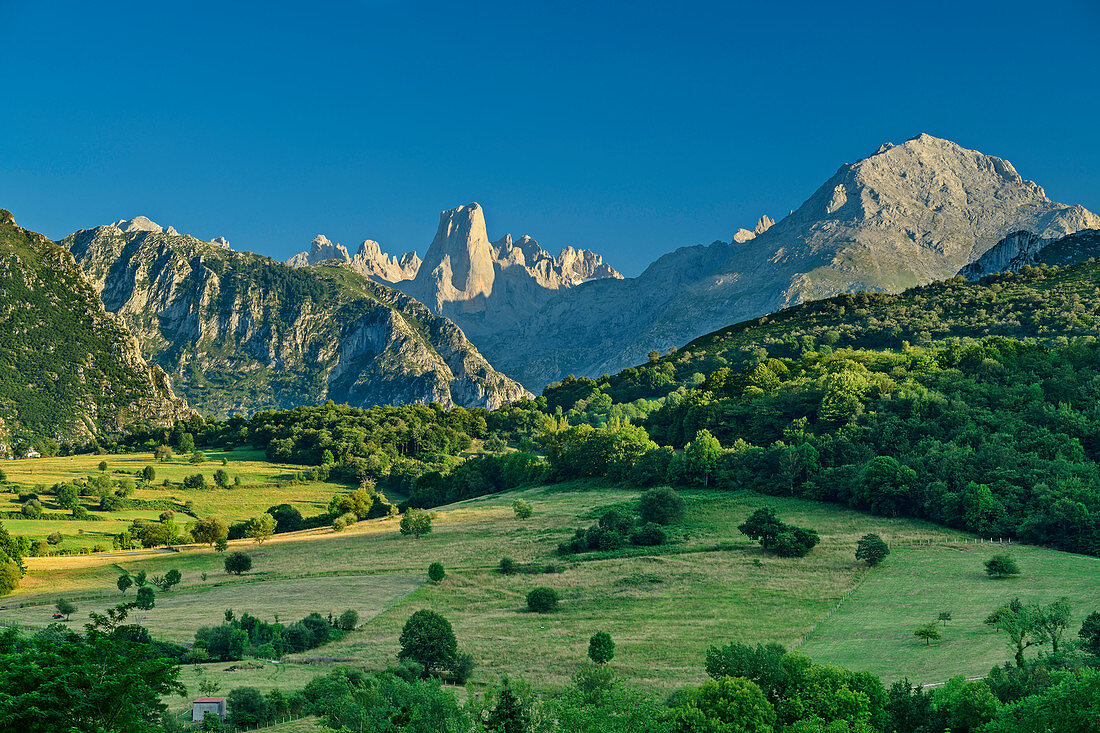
(369, 260)
(1028, 249)
(238, 332)
(908, 214)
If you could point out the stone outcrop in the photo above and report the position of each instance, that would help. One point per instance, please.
(1023, 249)
(238, 332)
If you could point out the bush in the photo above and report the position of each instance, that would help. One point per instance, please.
(1001, 566)
(648, 535)
(661, 506)
(522, 509)
(543, 600)
(247, 707)
(348, 620)
(103, 465)
(507, 566)
(238, 562)
(194, 481)
(416, 522)
(871, 549)
(601, 649)
(436, 572)
(54, 538)
(339, 524)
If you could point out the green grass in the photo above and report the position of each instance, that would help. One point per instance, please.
(264, 484)
(663, 606)
(873, 630)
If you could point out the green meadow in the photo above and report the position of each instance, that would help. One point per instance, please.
(663, 606)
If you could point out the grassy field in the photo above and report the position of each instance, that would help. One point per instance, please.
(663, 606)
(873, 630)
(263, 484)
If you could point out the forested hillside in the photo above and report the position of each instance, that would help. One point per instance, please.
(973, 405)
(68, 370)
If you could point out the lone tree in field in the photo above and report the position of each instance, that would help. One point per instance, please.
(65, 607)
(103, 465)
(1001, 566)
(543, 600)
(928, 633)
(124, 582)
(944, 617)
(522, 509)
(416, 522)
(149, 474)
(429, 640)
(238, 562)
(871, 549)
(601, 648)
(661, 506)
(221, 478)
(261, 528)
(436, 573)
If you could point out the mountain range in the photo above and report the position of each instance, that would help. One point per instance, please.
(236, 332)
(239, 332)
(906, 215)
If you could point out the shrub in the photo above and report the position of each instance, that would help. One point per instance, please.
(198, 457)
(1001, 566)
(103, 465)
(238, 562)
(507, 566)
(416, 522)
(601, 649)
(648, 535)
(54, 538)
(194, 481)
(522, 509)
(436, 572)
(543, 600)
(661, 506)
(221, 544)
(348, 620)
(339, 524)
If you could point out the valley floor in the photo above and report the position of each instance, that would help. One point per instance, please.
(663, 606)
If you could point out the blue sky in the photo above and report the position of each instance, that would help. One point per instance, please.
(629, 128)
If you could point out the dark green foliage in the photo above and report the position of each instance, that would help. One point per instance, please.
(348, 620)
(648, 535)
(428, 639)
(60, 681)
(146, 598)
(507, 566)
(928, 632)
(238, 562)
(725, 704)
(221, 478)
(872, 550)
(247, 707)
(601, 648)
(436, 573)
(763, 664)
(1001, 566)
(149, 474)
(661, 506)
(776, 536)
(1090, 633)
(543, 600)
(194, 481)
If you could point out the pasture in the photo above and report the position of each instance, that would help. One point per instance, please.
(263, 484)
(663, 606)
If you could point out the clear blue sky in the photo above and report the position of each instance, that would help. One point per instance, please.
(631, 128)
